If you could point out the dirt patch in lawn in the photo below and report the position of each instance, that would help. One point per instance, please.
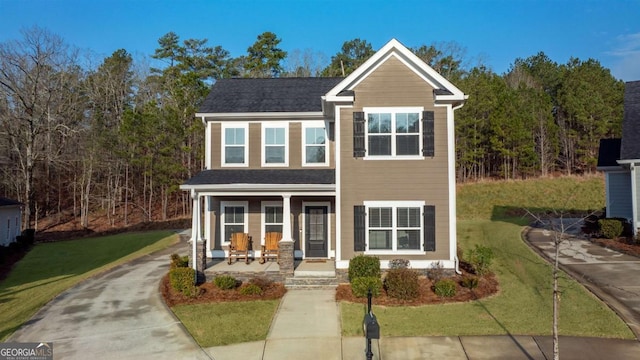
(209, 293)
(487, 286)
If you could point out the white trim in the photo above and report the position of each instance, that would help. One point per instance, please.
(238, 125)
(303, 242)
(628, 161)
(274, 125)
(263, 205)
(393, 110)
(634, 198)
(223, 204)
(208, 202)
(338, 181)
(451, 163)
(394, 226)
(315, 125)
(208, 161)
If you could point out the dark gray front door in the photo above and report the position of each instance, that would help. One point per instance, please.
(316, 231)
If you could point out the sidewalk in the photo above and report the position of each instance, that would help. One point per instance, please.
(307, 326)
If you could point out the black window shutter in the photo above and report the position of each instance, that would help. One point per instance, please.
(427, 133)
(358, 134)
(429, 228)
(359, 228)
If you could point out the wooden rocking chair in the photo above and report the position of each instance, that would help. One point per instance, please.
(270, 248)
(239, 247)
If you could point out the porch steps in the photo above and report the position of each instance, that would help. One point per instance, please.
(310, 280)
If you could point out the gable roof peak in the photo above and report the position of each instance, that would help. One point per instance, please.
(445, 90)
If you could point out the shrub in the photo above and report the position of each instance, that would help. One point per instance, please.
(364, 266)
(470, 282)
(251, 289)
(182, 279)
(261, 282)
(178, 261)
(399, 264)
(402, 284)
(360, 286)
(480, 259)
(611, 228)
(445, 288)
(436, 271)
(225, 282)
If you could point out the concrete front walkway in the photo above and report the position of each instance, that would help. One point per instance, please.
(115, 315)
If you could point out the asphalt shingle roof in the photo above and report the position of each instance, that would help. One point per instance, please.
(631, 122)
(8, 202)
(267, 95)
(609, 152)
(263, 176)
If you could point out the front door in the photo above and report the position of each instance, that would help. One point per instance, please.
(316, 231)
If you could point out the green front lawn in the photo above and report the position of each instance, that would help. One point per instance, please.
(51, 268)
(229, 322)
(524, 304)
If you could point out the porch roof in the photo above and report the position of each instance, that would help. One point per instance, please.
(222, 177)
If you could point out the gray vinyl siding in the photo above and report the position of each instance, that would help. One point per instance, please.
(620, 204)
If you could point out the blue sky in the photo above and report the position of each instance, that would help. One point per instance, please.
(497, 32)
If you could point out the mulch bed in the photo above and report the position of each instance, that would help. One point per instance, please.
(487, 286)
(209, 293)
(623, 245)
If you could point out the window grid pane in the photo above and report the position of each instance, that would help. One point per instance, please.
(393, 134)
(404, 234)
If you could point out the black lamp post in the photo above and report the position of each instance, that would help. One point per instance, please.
(371, 327)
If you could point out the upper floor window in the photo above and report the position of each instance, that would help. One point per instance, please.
(315, 144)
(274, 144)
(392, 132)
(235, 147)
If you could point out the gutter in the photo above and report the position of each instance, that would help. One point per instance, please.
(457, 262)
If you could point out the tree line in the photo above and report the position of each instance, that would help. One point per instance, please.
(81, 134)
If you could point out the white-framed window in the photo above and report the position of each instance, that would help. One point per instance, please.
(315, 150)
(393, 132)
(235, 144)
(275, 143)
(234, 217)
(394, 226)
(272, 218)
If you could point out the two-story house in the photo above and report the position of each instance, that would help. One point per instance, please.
(340, 166)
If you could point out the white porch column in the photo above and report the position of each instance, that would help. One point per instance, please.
(286, 217)
(195, 228)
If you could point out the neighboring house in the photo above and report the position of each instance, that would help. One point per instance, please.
(10, 220)
(342, 166)
(620, 158)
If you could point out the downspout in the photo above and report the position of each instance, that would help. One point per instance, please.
(457, 267)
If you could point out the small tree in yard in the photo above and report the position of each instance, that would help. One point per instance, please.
(559, 231)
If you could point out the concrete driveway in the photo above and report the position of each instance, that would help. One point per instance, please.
(115, 315)
(610, 275)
